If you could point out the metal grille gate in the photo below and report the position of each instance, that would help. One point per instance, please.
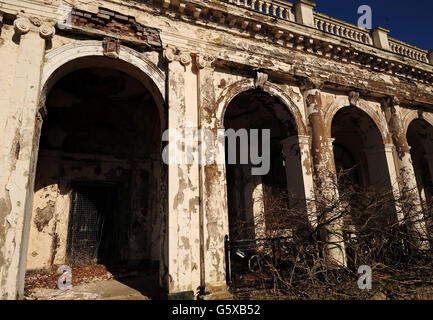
(90, 208)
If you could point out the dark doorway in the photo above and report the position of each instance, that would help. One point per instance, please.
(90, 236)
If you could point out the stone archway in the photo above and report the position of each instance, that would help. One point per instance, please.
(360, 157)
(135, 72)
(258, 204)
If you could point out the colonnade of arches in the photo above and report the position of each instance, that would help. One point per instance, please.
(100, 162)
(359, 146)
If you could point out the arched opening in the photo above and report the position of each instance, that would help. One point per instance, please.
(96, 199)
(420, 139)
(259, 205)
(363, 176)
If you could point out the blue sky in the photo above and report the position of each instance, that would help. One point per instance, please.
(409, 21)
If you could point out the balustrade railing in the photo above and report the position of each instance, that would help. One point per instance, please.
(278, 9)
(286, 11)
(342, 29)
(408, 50)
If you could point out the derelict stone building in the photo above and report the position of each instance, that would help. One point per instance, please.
(88, 87)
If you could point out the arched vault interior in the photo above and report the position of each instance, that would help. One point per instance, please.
(258, 204)
(96, 191)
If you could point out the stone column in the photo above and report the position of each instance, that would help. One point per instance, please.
(19, 153)
(213, 181)
(183, 181)
(325, 176)
(254, 198)
(393, 175)
(299, 174)
(406, 173)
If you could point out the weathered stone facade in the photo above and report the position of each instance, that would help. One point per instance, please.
(187, 62)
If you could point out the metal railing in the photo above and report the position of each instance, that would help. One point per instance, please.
(259, 263)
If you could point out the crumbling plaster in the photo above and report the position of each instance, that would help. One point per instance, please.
(188, 91)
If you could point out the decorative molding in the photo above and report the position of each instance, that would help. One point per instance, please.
(169, 55)
(22, 25)
(260, 80)
(47, 31)
(354, 98)
(111, 47)
(185, 58)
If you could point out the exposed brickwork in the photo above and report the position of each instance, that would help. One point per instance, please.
(114, 23)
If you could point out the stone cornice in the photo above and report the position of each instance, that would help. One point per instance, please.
(284, 33)
(290, 37)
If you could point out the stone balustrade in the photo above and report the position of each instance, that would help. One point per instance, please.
(302, 12)
(278, 9)
(341, 29)
(408, 50)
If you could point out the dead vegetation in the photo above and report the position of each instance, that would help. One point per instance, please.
(47, 279)
(377, 231)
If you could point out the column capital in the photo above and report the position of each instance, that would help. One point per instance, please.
(203, 61)
(185, 58)
(47, 30)
(296, 140)
(308, 84)
(304, 140)
(171, 54)
(392, 101)
(24, 24)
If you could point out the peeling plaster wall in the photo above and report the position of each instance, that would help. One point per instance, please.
(9, 52)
